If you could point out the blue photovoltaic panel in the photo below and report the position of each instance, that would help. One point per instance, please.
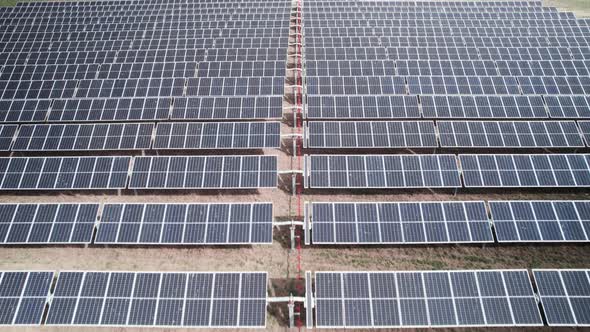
(425, 299)
(532, 170)
(362, 107)
(218, 135)
(70, 137)
(585, 130)
(541, 221)
(188, 224)
(60, 173)
(400, 223)
(483, 107)
(565, 296)
(23, 296)
(109, 109)
(7, 133)
(232, 107)
(204, 172)
(47, 223)
(383, 171)
(371, 134)
(159, 299)
(509, 134)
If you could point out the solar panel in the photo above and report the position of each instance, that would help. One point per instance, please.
(224, 223)
(218, 135)
(400, 223)
(109, 109)
(362, 107)
(371, 134)
(241, 69)
(565, 296)
(210, 172)
(234, 86)
(356, 85)
(23, 296)
(509, 134)
(47, 223)
(532, 170)
(474, 107)
(425, 299)
(383, 171)
(48, 173)
(219, 108)
(68, 137)
(541, 221)
(585, 130)
(159, 299)
(7, 133)
(19, 110)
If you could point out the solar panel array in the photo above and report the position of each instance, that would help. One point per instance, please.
(159, 299)
(136, 223)
(485, 75)
(446, 134)
(403, 222)
(107, 76)
(425, 299)
(208, 172)
(162, 172)
(185, 224)
(383, 171)
(23, 296)
(47, 223)
(565, 295)
(446, 171)
(439, 222)
(541, 221)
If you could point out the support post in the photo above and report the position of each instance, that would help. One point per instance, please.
(291, 306)
(292, 232)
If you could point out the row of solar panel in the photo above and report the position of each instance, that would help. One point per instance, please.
(58, 6)
(342, 299)
(140, 136)
(440, 107)
(427, 4)
(439, 15)
(143, 44)
(420, 85)
(125, 6)
(468, 298)
(24, 22)
(420, 52)
(136, 223)
(143, 87)
(546, 31)
(91, 6)
(161, 172)
(159, 34)
(141, 109)
(97, 71)
(256, 21)
(427, 23)
(426, 47)
(245, 13)
(449, 134)
(181, 20)
(158, 299)
(446, 171)
(146, 70)
(447, 222)
(138, 57)
(438, 68)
